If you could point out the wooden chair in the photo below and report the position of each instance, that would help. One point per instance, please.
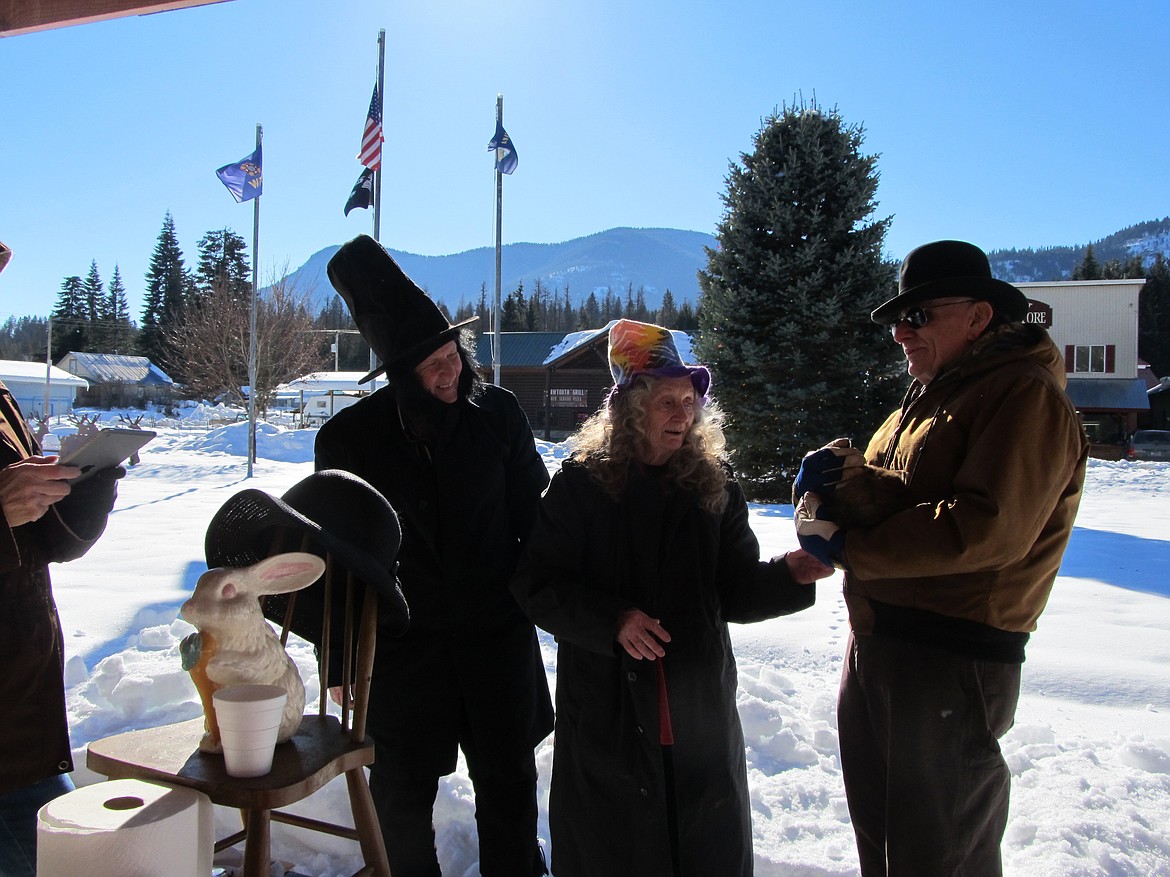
(324, 747)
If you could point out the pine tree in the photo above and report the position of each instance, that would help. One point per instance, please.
(569, 323)
(223, 261)
(23, 339)
(786, 298)
(1090, 268)
(513, 310)
(668, 313)
(118, 332)
(94, 292)
(167, 286)
(69, 318)
(1154, 317)
(590, 316)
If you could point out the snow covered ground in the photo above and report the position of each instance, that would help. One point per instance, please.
(1090, 752)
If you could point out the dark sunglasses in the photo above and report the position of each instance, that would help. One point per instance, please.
(920, 316)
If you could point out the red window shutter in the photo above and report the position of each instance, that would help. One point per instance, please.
(1070, 353)
(1110, 355)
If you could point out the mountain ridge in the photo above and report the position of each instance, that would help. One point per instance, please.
(657, 259)
(653, 259)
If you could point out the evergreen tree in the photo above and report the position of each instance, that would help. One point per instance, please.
(688, 320)
(569, 316)
(536, 310)
(513, 310)
(668, 313)
(117, 330)
(1154, 318)
(167, 285)
(23, 339)
(1090, 268)
(641, 311)
(353, 354)
(786, 298)
(94, 293)
(590, 317)
(69, 322)
(223, 262)
(485, 311)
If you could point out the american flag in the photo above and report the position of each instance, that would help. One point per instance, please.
(371, 153)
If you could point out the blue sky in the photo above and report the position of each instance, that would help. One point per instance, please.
(1025, 124)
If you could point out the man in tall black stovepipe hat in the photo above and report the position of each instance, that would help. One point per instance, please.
(457, 460)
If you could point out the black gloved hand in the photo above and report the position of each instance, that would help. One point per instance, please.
(90, 501)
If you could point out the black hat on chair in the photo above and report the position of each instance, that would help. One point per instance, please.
(950, 268)
(398, 320)
(340, 514)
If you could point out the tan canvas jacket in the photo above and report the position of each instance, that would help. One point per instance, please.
(993, 457)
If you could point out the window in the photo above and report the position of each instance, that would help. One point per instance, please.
(1091, 358)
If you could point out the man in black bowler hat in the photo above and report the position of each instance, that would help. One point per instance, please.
(457, 460)
(950, 530)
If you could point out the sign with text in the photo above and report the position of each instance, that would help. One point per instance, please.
(568, 398)
(1039, 313)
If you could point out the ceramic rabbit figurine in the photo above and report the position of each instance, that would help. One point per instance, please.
(235, 645)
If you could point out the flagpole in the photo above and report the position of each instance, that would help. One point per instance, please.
(378, 172)
(499, 224)
(382, 116)
(252, 324)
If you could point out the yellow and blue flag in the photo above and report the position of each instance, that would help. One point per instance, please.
(244, 178)
(505, 150)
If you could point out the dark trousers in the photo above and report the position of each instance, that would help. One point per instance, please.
(925, 780)
(18, 824)
(505, 818)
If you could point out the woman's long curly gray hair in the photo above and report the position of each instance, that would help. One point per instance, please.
(615, 438)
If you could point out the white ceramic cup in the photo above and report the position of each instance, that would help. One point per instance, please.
(249, 721)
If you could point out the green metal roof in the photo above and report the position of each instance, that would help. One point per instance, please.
(518, 349)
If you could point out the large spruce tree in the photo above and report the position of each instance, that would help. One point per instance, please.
(786, 295)
(223, 263)
(167, 286)
(118, 331)
(69, 320)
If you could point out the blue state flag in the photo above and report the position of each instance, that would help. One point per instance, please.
(505, 150)
(244, 178)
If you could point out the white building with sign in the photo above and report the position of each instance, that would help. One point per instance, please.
(1095, 325)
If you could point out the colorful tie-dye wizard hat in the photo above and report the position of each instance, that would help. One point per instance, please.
(645, 349)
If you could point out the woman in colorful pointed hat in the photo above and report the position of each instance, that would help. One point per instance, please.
(640, 557)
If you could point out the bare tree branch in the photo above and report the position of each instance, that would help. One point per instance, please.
(212, 340)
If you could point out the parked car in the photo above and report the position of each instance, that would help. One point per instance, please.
(1149, 444)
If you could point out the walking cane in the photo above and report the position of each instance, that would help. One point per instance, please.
(666, 741)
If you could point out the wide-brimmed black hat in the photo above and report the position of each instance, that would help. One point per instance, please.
(342, 515)
(951, 268)
(398, 320)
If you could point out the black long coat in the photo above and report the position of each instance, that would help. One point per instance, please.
(469, 664)
(34, 733)
(590, 558)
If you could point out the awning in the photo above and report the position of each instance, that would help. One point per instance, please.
(1108, 394)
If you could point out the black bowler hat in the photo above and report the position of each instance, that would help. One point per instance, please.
(950, 268)
(398, 320)
(341, 514)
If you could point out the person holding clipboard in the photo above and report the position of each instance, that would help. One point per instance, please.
(43, 520)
